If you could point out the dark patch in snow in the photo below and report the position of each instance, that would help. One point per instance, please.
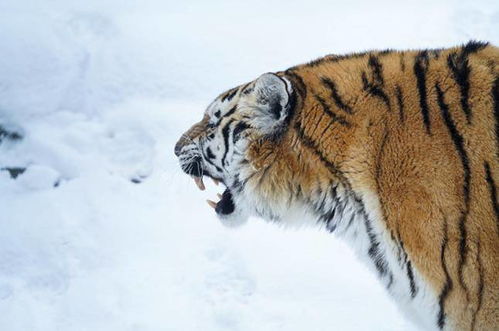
(9, 135)
(138, 179)
(14, 172)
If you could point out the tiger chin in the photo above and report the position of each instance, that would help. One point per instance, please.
(394, 151)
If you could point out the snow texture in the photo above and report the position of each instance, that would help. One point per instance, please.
(100, 230)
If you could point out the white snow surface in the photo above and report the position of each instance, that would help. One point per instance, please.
(100, 91)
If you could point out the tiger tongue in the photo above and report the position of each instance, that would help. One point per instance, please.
(199, 182)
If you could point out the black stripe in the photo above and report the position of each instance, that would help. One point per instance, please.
(474, 46)
(495, 100)
(213, 164)
(374, 251)
(309, 143)
(225, 133)
(493, 192)
(238, 185)
(378, 259)
(245, 90)
(375, 90)
(224, 95)
(230, 94)
(390, 282)
(209, 153)
(412, 283)
(460, 68)
(298, 83)
(408, 266)
(401, 248)
(420, 68)
(238, 129)
(328, 217)
(337, 209)
(459, 144)
(400, 101)
(331, 85)
(335, 117)
(448, 281)
(376, 68)
(230, 112)
(402, 62)
(208, 158)
(480, 285)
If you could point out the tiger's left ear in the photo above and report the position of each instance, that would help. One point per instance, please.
(273, 96)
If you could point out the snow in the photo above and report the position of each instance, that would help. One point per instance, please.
(102, 231)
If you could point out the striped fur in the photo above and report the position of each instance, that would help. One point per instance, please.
(395, 151)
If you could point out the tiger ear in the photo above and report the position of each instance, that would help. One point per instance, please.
(272, 96)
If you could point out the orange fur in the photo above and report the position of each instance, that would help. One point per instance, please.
(375, 141)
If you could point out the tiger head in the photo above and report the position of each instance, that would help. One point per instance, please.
(244, 141)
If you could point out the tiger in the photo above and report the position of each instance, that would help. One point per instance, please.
(395, 151)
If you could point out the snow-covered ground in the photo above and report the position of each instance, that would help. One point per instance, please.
(103, 232)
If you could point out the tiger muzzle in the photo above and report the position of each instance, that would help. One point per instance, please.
(192, 164)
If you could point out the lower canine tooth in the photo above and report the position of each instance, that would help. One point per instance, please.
(212, 204)
(215, 181)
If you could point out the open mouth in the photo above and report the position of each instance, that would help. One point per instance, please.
(225, 205)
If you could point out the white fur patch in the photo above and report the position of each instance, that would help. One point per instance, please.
(422, 309)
